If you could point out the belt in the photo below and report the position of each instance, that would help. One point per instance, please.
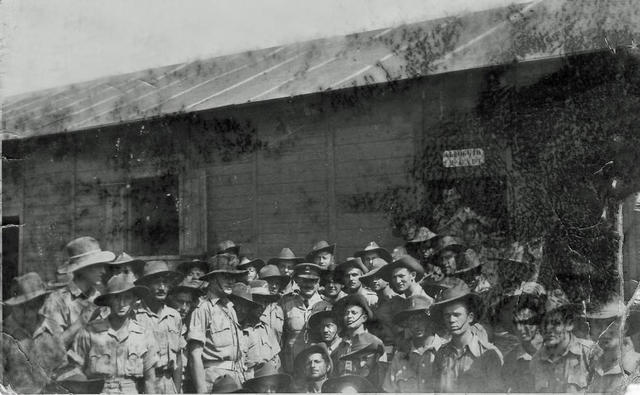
(228, 365)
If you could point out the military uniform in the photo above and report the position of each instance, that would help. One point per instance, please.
(297, 311)
(167, 328)
(516, 371)
(571, 372)
(412, 370)
(214, 324)
(64, 305)
(476, 367)
(261, 348)
(341, 367)
(384, 327)
(614, 378)
(120, 356)
(370, 296)
(29, 360)
(273, 316)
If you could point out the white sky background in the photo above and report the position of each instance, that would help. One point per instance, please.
(49, 43)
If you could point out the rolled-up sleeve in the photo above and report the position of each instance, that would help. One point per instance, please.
(150, 358)
(80, 348)
(198, 325)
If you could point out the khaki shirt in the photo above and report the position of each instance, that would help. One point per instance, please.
(571, 372)
(412, 371)
(273, 316)
(296, 315)
(29, 360)
(475, 368)
(516, 371)
(64, 305)
(167, 329)
(103, 352)
(214, 324)
(384, 327)
(261, 345)
(341, 367)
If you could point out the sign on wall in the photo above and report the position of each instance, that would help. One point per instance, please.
(463, 157)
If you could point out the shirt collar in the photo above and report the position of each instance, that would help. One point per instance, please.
(76, 291)
(434, 345)
(523, 354)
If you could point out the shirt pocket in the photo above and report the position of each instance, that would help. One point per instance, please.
(135, 362)
(295, 320)
(221, 337)
(406, 381)
(100, 362)
(576, 373)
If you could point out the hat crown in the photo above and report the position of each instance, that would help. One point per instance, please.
(449, 241)
(123, 258)
(371, 246)
(458, 290)
(269, 271)
(378, 263)
(82, 246)
(153, 267)
(225, 245)
(307, 269)
(286, 253)
(119, 283)
(423, 234)
(28, 283)
(221, 263)
(244, 260)
(556, 299)
(320, 245)
(612, 308)
(415, 302)
(242, 290)
(259, 287)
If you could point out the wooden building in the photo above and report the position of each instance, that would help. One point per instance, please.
(271, 148)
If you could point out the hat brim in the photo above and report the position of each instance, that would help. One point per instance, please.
(283, 380)
(139, 291)
(283, 279)
(256, 263)
(330, 248)
(174, 277)
(99, 257)
(334, 384)
(21, 299)
(382, 253)
(275, 261)
(317, 318)
(247, 302)
(386, 271)
(233, 250)
(312, 349)
(264, 298)
(214, 273)
(474, 300)
(184, 267)
(457, 248)
(352, 300)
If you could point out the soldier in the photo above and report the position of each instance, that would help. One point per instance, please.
(229, 248)
(124, 263)
(516, 372)
(118, 349)
(164, 322)
(351, 270)
(355, 313)
(252, 266)
(618, 359)
(268, 381)
(403, 276)
(286, 262)
(32, 347)
(362, 361)
(193, 269)
(214, 333)
(324, 327)
(322, 254)
(473, 239)
(389, 303)
(422, 245)
(348, 384)
(261, 347)
(273, 314)
(297, 308)
(62, 279)
(448, 255)
(468, 362)
(370, 252)
(331, 285)
(72, 307)
(470, 271)
(313, 367)
(411, 368)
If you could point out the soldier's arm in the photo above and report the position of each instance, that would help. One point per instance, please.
(197, 368)
(177, 370)
(70, 333)
(149, 363)
(149, 380)
(493, 369)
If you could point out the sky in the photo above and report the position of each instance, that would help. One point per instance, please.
(48, 43)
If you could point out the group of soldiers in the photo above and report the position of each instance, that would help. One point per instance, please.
(442, 313)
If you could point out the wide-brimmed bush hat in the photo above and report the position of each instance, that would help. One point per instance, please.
(84, 252)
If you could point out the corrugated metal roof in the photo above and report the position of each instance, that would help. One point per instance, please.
(530, 31)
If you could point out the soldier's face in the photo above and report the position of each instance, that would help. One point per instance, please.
(93, 274)
(120, 304)
(457, 318)
(556, 329)
(606, 333)
(402, 278)
(159, 287)
(354, 317)
(222, 284)
(471, 235)
(323, 259)
(183, 302)
(252, 273)
(316, 367)
(368, 258)
(418, 326)
(378, 284)
(332, 288)
(195, 272)
(364, 365)
(425, 250)
(448, 262)
(274, 286)
(308, 286)
(328, 329)
(286, 268)
(352, 278)
(524, 324)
